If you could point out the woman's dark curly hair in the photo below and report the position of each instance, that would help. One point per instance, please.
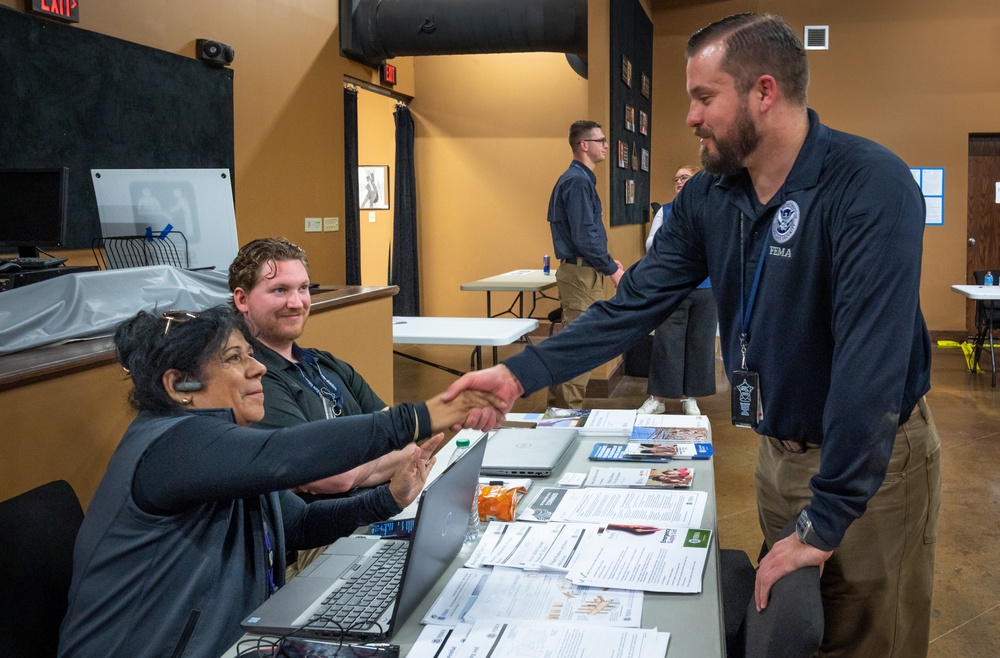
(146, 349)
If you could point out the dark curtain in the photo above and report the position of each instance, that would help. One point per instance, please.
(404, 231)
(352, 214)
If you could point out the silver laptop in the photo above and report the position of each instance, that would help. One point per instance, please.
(357, 590)
(520, 452)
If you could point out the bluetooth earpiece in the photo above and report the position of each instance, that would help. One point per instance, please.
(188, 386)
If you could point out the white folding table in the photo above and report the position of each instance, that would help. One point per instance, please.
(983, 293)
(493, 332)
(518, 281)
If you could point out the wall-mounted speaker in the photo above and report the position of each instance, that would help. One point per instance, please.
(215, 53)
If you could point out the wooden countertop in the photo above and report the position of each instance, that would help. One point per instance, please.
(53, 360)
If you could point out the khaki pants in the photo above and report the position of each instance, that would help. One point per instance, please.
(305, 558)
(877, 586)
(579, 287)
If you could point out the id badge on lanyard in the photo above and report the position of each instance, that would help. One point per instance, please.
(746, 402)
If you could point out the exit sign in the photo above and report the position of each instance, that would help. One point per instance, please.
(64, 10)
(388, 72)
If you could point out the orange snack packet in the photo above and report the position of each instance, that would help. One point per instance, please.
(497, 503)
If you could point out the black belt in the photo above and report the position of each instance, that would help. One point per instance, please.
(799, 446)
(582, 262)
(794, 446)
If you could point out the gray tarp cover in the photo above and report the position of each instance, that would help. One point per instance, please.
(91, 304)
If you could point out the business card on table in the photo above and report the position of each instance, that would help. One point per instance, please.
(572, 479)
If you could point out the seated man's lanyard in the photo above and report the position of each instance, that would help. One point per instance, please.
(333, 401)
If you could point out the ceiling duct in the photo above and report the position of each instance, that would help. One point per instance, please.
(372, 31)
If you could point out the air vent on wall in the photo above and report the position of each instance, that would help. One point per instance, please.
(817, 37)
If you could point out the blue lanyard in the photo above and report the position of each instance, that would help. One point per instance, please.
(329, 392)
(272, 587)
(746, 307)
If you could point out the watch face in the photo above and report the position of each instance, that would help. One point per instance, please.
(803, 526)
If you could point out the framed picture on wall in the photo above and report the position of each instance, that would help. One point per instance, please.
(373, 187)
(622, 155)
(645, 160)
(626, 71)
(643, 123)
(629, 118)
(646, 86)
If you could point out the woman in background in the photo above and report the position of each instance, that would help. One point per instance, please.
(682, 362)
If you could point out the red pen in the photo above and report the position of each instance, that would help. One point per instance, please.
(634, 529)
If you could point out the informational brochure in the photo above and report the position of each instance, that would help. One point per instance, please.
(457, 597)
(656, 450)
(531, 546)
(544, 506)
(640, 478)
(557, 417)
(646, 558)
(439, 641)
(665, 428)
(656, 453)
(601, 505)
(540, 596)
(503, 593)
(609, 422)
(518, 639)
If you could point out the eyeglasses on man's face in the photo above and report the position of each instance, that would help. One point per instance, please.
(602, 140)
(176, 317)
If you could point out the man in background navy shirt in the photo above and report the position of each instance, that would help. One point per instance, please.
(581, 243)
(813, 239)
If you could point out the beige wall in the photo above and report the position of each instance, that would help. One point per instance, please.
(490, 142)
(917, 76)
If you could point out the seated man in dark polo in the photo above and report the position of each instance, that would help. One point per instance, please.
(269, 279)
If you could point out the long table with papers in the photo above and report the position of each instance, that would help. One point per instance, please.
(694, 620)
(691, 613)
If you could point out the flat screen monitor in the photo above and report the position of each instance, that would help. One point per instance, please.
(32, 209)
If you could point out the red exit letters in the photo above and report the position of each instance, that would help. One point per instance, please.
(64, 10)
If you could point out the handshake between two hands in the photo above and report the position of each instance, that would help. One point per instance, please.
(477, 400)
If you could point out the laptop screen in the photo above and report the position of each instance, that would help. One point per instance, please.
(442, 519)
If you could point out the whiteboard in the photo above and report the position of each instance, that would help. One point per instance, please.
(196, 202)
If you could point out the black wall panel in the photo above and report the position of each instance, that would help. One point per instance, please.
(631, 51)
(78, 99)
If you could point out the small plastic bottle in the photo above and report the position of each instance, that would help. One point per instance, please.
(472, 530)
(988, 279)
(545, 264)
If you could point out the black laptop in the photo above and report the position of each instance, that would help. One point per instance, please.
(364, 588)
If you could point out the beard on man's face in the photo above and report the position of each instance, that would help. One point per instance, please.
(731, 151)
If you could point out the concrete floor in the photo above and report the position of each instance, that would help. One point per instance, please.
(966, 605)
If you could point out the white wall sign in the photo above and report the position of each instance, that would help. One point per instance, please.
(931, 182)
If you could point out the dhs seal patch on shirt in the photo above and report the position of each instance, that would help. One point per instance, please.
(786, 220)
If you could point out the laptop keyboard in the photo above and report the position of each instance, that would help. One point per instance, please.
(358, 604)
(34, 263)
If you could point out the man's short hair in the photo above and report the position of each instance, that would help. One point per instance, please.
(579, 130)
(246, 265)
(756, 45)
